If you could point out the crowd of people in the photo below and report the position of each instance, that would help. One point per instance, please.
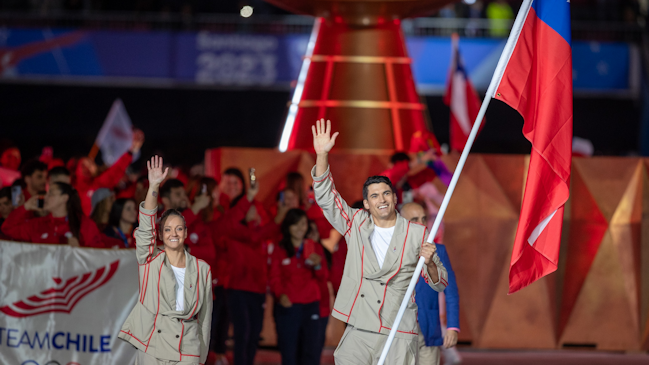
(287, 250)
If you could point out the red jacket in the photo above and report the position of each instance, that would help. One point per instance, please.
(21, 225)
(293, 277)
(323, 285)
(199, 238)
(218, 228)
(86, 186)
(245, 247)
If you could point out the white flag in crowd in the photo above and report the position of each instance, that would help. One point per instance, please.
(116, 135)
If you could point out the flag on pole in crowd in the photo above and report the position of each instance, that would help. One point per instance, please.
(116, 135)
(461, 98)
(537, 82)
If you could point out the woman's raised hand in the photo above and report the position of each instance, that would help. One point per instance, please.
(323, 141)
(156, 176)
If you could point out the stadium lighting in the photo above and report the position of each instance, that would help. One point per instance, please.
(246, 11)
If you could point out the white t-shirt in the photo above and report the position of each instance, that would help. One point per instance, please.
(380, 239)
(180, 287)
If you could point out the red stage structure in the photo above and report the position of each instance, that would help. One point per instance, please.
(357, 73)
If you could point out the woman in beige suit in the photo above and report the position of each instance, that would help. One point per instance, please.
(170, 323)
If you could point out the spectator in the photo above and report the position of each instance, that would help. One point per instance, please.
(59, 174)
(232, 186)
(63, 223)
(87, 180)
(500, 17)
(433, 336)
(10, 158)
(6, 205)
(35, 175)
(102, 202)
(296, 272)
(326, 289)
(245, 241)
(122, 220)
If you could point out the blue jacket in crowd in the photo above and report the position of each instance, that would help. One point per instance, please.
(428, 303)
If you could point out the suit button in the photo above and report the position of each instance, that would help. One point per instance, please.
(362, 295)
(178, 319)
(159, 331)
(378, 301)
(382, 284)
(177, 336)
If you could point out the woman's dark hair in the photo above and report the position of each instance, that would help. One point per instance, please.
(167, 213)
(116, 211)
(233, 171)
(73, 206)
(292, 217)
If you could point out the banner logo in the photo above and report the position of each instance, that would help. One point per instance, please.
(64, 295)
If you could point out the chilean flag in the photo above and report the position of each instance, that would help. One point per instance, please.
(537, 82)
(461, 98)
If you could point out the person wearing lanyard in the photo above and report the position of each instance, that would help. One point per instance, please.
(296, 270)
(122, 220)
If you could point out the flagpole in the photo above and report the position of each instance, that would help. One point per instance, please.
(493, 85)
(93, 151)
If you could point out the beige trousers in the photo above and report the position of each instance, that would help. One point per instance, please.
(358, 347)
(142, 358)
(428, 355)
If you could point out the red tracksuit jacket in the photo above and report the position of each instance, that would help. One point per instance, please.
(246, 253)
(86, 186)
(21, 225)
(293, 277)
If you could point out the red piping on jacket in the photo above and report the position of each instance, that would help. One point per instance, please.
(158, 310)
(388, 282)
(129, 333)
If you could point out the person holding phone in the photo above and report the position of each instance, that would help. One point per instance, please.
(63, 220)
(295, 275)
(170, 323)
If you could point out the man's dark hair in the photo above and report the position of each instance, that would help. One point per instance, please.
(165, 190)
(399, 156)
(376, 180)
(57, 171)
(5, 193)
(32, 166)
(358, 205)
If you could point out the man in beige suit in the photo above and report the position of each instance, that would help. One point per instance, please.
(383, 250)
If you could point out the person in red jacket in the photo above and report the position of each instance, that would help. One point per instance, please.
(86, 180)
(122, 220)
(297, 268)
(64, 223)
(246, 241)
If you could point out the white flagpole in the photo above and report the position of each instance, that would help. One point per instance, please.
(493, 85)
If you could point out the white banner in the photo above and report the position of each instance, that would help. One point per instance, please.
(116, 135)
(61, 305)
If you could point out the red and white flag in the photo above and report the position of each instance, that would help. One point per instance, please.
(537, 82)
(116, 135)
(461, 98)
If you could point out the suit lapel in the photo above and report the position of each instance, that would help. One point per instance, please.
(366, 228)
(396, 245)
(191, 274)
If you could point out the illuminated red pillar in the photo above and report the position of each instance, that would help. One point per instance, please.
(357, 74)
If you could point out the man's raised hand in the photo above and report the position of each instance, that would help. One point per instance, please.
(156, 176)
(323, 141)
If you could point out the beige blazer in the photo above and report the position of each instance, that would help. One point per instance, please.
(154, 326)
(369, 296)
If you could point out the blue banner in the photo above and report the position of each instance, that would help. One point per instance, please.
(258, 60)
